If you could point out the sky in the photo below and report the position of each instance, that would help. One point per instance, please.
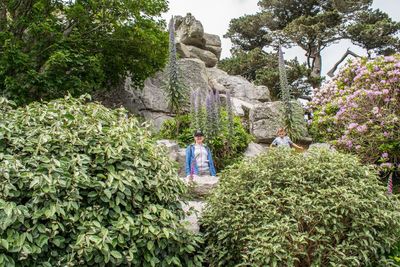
(215, 16)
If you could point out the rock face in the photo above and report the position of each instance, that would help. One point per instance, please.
(253, 150)
(267, 118)
(239, 87)
(193, 42)
(193, 210)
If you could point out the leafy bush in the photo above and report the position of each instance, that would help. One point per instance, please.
(320, 208)
(51, 48)
(225, 149)
(359, 111)
(82, 185)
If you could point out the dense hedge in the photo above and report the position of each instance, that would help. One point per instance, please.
(82, 185)
(283, 208)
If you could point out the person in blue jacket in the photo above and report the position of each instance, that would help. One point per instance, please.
(199, 158)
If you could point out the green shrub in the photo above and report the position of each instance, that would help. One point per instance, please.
(82, 185)
(283, 208)
(225, 150)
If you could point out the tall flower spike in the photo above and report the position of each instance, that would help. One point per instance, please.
(193, 109)
(285, 95)
(199, 111)
(176, 91)
(209, 115)
(230, 114)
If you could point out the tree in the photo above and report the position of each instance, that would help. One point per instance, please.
(376, 32)
(312, 25)
(50, 47)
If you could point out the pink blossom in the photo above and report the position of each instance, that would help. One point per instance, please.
(362, 128)
(386, 165)
(385, 155)
(389, 59)
(349, 144)
(375, 110)
(385, 91)
(385, 134)
(352, 125)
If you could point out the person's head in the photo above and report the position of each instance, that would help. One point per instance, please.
(198, 137)
(281, 132)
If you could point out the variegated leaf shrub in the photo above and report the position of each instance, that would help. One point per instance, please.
(83, 185)
(283, 208)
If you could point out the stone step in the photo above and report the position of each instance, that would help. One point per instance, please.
(201, 186)
(193, 209)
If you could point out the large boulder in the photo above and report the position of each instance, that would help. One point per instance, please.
(171, 146)
(193, 42)
(203, 185)
(193, 210)
(189, 31)
(182, 50)
(213, 44)
(267, 118)
(239, 86)
(208, 57)
(255, 149)
(240, 107)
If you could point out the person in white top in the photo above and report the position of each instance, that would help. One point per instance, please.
(282, 140)
(199, 159)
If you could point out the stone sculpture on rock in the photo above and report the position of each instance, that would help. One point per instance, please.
(193, 42)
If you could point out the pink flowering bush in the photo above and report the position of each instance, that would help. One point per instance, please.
(359, 111)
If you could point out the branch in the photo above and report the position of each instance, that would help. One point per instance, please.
(348, 52)
(306, 97)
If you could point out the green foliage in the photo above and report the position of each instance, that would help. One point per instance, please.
(261, 68)
(395, 254)
(225, 149)
(283, 208)
(82, 185)
(375, 31)
(49, 48)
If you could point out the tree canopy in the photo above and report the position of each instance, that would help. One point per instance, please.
(313, 25)
(48, 48)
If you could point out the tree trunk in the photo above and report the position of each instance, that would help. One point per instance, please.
(3, 16)
(316, 66)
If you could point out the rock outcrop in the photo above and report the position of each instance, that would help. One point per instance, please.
(193, 42)
(199, 52)
(267, 118)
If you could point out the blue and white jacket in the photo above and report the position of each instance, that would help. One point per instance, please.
(191, 165)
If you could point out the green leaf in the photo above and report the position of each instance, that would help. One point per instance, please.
(116, 254)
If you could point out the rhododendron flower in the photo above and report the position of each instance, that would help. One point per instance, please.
(352, 125)
(362, 128)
